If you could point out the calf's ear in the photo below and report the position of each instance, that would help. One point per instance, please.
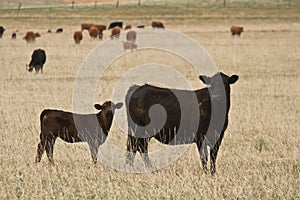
(98, 106)
(205, 79)
(233, 79)
(118, 105)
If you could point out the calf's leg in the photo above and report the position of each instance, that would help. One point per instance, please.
(50, 141)
(94, 147)
(41, 148)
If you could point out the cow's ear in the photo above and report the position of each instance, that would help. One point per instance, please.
(233, 79)
(205, 79)
(98, 106)
(118, 105)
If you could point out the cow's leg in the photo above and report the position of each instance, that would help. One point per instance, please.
(100, 35)
(94, 147)
(143, 149)
(42, 69)
(37, 69)
(41, 148)
(50, 141)
(202, 149)
(214, 153)
(131, 149)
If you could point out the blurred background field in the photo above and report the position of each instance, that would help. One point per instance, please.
(260, 154)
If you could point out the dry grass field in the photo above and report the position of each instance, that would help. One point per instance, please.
(260, 154)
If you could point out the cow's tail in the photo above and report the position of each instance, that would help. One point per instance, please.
(42, 116)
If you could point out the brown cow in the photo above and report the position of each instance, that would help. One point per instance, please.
(127, 27)
(100, 29)
(30, 36)
(72, 127)
(157, 24)
(115, 32)
(93, 32)
(236, 30)
(77, 37)
(86, 26)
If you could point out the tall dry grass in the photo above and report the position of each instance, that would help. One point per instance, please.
(259, 156)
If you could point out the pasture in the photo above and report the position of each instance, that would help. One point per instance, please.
(260, 154)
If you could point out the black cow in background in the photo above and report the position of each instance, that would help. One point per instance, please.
(59, 30)
(115, 24)
(38, 59)
(1, 31)
(14, 36)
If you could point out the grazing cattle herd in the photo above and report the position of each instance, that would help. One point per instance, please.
(211, 108)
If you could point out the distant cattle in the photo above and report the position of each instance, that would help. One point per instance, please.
(200, 117)
(30, 36)
(115, 32)
(127, 27)
(38, 59)
(93, 32)
(115, 24)
(100, 29)
(59, 30)
(49, 31)
(72, 127)
(129, 45)
(236, 30)
(86, 26)
(77, 37)
(157, 24)
(2, 29)
(131, 36)
(141, 26)
(14, 35)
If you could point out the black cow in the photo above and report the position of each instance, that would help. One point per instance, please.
(71, 127)
(59, 30)
(1, 31)
(14, 35)
(199, 116)
(114, 24)
(38, 59)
